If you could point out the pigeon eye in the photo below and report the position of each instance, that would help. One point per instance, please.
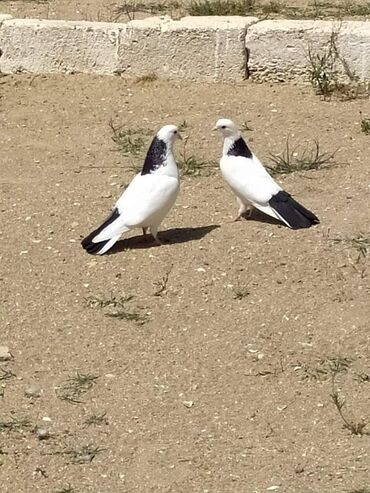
(223, 126)
(175, 131)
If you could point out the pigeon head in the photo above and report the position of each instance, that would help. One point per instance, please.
(227, 128)
(168, 134)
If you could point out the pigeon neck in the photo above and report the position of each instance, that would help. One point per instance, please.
(236, 146)
(160, 159)
(169, 166)
(229, 142)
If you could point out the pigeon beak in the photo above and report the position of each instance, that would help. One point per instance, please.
(179, 136)
(214, 129)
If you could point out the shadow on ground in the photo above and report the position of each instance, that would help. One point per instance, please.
(171, 237)
(263, 218)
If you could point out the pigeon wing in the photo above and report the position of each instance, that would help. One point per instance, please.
(248, 179)
(145, 198)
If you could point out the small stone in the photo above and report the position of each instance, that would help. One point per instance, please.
(188, 403)
(5, 355)
(42, 433)
(299, 469)
(32, 391)
(85, 458)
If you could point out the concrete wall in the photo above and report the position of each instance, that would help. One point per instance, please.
(194, 48)
(201, 48)
(279, 50)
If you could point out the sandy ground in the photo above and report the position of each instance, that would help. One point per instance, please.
(224, 382)
(112, 11)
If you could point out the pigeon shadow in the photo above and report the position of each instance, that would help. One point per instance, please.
(168, 237)
(263, 218)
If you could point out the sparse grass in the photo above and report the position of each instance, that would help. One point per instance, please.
(317, 9)
(360, 490)
(365, 124)
(353, 9)
(272, 7)
(221, 7)
(67, 489)
(291, 161)
(113, 301)
(363, 377)
(331, 74)
(129, 316)
(321, 73)
(131, 7)
(323, 67)
(360, 243)
(240, 292)
(147, 79)
(86, 453)
(183, 126)
(189, 165)
(245, 127)
(325, 367)
(332, 367)
(128, 141)
(119, 305)
(96, 419)
(75, 387)
(161, 285)
(15, 424)
(355, 427)
(6, 374)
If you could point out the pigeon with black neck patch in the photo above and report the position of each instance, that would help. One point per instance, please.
(147, 200)
(252, 184)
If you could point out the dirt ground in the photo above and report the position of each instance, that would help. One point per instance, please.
(112, 11)
(239, 333)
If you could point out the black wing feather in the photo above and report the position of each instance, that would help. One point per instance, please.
(292, 211)
(88, 243)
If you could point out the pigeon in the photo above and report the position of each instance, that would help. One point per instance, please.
(252, 184)
(148, 198)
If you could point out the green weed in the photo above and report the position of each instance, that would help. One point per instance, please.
(291, 161)
(221, 7)
(118, 304)
(75, 387)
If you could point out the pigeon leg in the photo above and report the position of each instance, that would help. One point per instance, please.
(242, 209)
(144, 231)
(154, 231)
(249, 211)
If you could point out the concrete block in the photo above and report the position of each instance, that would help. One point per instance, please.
(278, 50)
(43, 46)
(4, 17)
(194, 48)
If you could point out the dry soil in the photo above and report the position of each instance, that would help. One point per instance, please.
(240, 332)
(124, 10)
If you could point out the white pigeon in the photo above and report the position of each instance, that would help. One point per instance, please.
(252, 184)
(147, 200)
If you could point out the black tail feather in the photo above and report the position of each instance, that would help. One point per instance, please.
(292, 212)
(88, 243)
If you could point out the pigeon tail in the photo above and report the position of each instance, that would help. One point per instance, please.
(101, 247)
(293, 213)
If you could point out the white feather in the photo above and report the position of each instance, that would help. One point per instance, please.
(250, 182)
(148, 198)
(144, 203)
